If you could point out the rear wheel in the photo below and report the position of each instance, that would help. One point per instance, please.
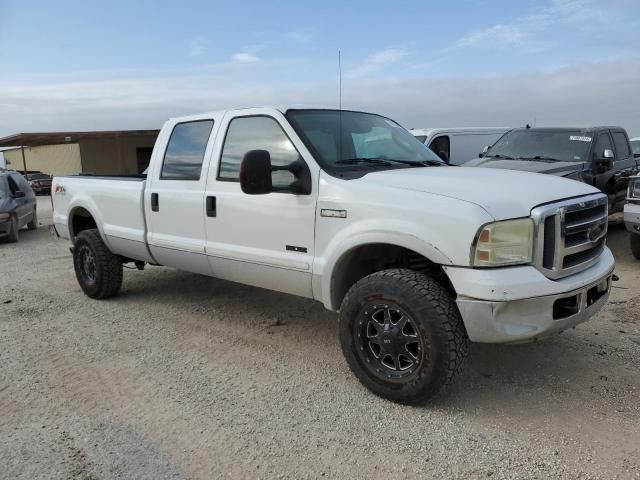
(33, 224)
(13, 230)
(99, 272)
(402, 335)
(635, 244)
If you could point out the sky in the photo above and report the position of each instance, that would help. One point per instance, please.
(88, 65)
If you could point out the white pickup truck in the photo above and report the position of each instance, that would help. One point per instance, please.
(348, 208)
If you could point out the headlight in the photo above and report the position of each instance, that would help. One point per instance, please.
(4, 216)
(509, 242)
(634, 189)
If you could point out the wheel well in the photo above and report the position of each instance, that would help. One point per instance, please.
(367, 259)
(81, 219)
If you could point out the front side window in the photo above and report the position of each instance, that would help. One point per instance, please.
(530, 144)
(185, 150)
(622, 147)
(257, 133)
(342, 140)
(603, 143)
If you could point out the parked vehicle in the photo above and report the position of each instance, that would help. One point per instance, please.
(598, 156)
(632, 215)
(635, 146)
(17, 205)
(39, 182)
(348, 208)
(458, 145)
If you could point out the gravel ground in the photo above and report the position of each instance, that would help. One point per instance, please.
(182, 376)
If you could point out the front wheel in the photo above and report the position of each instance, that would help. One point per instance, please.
(635, 244)
(402, 335)
(99, 272)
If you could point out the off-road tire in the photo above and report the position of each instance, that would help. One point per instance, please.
(443, 338)
(107, 279)
(33, 224)
(635, 244)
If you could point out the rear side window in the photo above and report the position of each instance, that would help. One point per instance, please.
(257, 133)
(622, 146)
(185, 150)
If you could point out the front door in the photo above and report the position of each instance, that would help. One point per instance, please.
(174, 197)
(265, 240)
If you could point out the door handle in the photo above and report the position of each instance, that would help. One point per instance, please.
(155, 205)
(211, 206)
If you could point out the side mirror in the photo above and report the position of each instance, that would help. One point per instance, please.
(604, 164)
(19, 194)
(255, 173)
(484, 150)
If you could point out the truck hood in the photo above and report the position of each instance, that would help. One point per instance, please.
(502, 193)
(561, 169)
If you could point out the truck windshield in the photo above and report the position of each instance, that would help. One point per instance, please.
(347, 140)
(529, 144)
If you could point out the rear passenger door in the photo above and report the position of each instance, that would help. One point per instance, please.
(26, 204)
(624, 165)
(174, 196)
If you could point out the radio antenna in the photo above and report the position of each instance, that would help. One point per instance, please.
(340, 103)
(339, 81)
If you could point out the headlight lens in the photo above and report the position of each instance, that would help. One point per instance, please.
(634, 189)
(508, 242)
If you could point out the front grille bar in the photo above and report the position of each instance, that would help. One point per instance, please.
(559, 251)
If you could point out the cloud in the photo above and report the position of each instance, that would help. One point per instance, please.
(196, 47)
(244, 57)
(376, 62)
(579, 95)
(535, 32)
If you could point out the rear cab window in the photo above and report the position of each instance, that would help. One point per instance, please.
(185, 150)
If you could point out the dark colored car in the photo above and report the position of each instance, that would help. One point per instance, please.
(599, 156)
(17, 205)
(39, 182)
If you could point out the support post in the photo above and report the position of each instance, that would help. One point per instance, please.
(24, 160)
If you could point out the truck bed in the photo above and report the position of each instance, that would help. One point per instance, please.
(116, 202)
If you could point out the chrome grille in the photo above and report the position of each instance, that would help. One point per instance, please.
(571, 235)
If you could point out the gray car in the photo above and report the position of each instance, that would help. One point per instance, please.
(17, 205)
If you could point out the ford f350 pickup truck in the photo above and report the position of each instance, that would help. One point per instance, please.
(348, 208)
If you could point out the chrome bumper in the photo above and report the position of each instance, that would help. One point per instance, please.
(530, 319)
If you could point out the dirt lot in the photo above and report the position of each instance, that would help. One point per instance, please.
(183, 376)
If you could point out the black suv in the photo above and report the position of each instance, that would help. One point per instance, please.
(17, 205)
(599, 156)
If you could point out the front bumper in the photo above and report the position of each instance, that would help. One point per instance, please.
(632, 217)
(520, 304)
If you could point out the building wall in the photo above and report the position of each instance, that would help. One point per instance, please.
(113, 156)
(51, 159)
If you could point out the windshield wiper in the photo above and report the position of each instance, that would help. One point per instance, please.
(372, 161)
(497, 155)
(540, 157)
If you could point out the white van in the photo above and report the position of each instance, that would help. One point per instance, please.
(459, 145)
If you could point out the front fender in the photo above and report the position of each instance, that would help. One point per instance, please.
(399, 233)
